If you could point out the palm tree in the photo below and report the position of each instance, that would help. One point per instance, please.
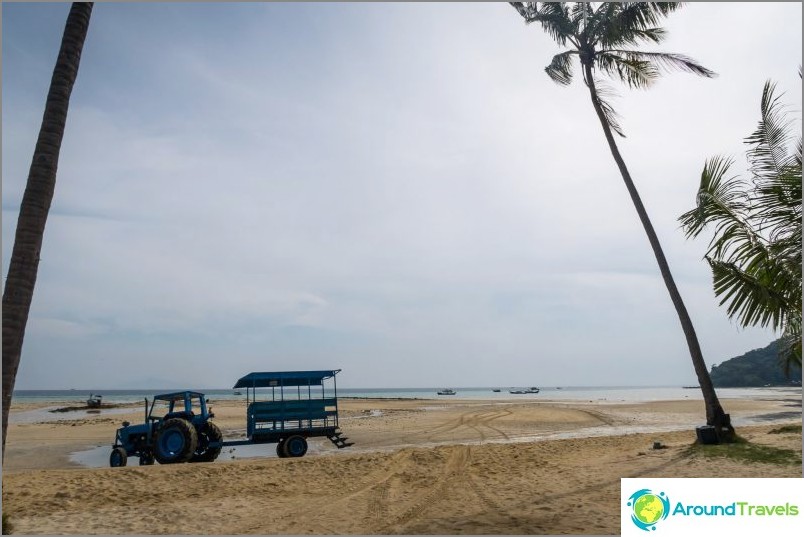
(35, 205)
(755, 253)
(603, 38)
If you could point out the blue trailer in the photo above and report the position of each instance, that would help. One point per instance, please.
(284, 407)
(287, 407)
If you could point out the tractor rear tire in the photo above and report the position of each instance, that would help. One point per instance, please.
(280, 449)
(175, 441)
(295, 446)
(208, 433)
(118, 457)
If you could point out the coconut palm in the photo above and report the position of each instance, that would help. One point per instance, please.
(24, 262)
(603, 39)
(755, 253)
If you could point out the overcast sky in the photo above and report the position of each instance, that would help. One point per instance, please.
(397, 190)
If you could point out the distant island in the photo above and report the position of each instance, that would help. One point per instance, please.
(759, 367)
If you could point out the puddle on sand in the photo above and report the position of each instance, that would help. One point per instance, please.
(98, 457)
(43, 415)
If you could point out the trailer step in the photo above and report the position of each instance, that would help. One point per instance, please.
(339, 440)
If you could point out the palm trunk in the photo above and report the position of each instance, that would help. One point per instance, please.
(714, 412)
(24, 262)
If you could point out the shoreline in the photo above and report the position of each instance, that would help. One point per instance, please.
(38, 438)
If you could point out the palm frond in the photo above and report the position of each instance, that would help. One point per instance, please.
(771, 137)
(628, 23)
(750, 297)
(719, 200)
(667, 61)
(560, 69)
(526, 9)
(635, 73)
(641, 15)
(603, 93)
(554, 18)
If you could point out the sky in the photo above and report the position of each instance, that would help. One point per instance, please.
(397, 190)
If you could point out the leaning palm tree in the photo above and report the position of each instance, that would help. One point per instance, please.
(603, 40)
(24, 263)
(755, 253)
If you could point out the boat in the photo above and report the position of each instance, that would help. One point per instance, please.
(532, 389)
(94, 401)
(237, 393)
(495, 390)
(447, 391)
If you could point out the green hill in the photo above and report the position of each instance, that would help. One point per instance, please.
(759, 367)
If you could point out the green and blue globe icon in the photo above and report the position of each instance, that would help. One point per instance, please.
(648, 508)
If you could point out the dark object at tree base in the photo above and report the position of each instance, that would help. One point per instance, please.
(707, 434)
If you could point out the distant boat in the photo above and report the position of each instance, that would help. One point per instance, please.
(94, 401)
(447, 391)
(495, 390)
(690, 387)
(237, 393)
(528, 390)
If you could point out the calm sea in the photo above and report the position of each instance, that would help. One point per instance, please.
(568, 393)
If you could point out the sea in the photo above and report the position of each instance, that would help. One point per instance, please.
(596, 394)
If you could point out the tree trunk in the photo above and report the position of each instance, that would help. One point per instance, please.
(35, 205)
(715, 415)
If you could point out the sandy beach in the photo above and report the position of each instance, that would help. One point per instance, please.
(417, 467)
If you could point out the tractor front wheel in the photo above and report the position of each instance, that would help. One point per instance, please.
(118, 457)
(175, 441)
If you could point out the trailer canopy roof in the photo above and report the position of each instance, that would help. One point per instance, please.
(285, 378)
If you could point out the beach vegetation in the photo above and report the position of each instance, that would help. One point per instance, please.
(605, 40)
(787, 429)
(755, 251)
(24, 262)
(743, 450)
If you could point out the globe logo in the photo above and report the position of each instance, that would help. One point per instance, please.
(648, 508)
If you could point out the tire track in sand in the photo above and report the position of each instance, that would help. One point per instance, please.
(454, 467)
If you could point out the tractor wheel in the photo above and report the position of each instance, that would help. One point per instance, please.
(295, 446)
(280, 449)
(175, 441)
(146, 458)
(208, 433)
(118, 457)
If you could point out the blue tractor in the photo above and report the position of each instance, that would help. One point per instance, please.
(177, 429)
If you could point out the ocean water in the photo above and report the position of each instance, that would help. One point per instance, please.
(597, 394)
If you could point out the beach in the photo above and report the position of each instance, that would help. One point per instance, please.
(418, 466)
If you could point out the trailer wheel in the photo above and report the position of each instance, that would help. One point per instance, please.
(118, 457)
(175, 441)
(208, 433)
(280, 449)
(295, 446)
